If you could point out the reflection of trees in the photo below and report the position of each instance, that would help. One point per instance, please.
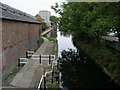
(65, 34)
(79, 72)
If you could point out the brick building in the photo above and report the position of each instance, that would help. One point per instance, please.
(20, 33)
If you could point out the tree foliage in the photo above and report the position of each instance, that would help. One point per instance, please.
(54, 19)
(92, 18)
(79, 72)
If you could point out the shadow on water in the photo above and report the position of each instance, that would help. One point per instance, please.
(65, 34)
(78, 71)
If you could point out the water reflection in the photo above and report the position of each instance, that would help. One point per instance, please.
(64, 41)
(78, 71)
(65, 34)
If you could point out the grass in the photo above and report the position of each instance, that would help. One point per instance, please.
(49, 84)
(53, 34)
(55, 85)
(8, 77)
(50, 39)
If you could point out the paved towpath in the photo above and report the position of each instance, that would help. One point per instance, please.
(30, 74)
(110, 38)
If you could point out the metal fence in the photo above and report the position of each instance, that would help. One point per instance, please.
(41, 58)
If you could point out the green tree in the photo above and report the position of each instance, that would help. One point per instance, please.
(54, 19)
(93, 19)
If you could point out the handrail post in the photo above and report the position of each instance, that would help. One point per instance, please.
(40, 87)
(44, 82)
(58, 77)
(58, 63)
(52, 74)
(44, 77)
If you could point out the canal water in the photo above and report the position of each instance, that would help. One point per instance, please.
(64, 42)
(77, 70)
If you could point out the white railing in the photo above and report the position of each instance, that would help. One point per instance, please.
(22, 61)
(41, 58)
(43, 79)
(29, 54)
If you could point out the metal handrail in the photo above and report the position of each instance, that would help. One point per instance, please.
(41, 80)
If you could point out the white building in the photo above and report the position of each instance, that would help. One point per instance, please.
(46, 16)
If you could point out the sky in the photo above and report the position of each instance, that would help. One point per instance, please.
(32, 6)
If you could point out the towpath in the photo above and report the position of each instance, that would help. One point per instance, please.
(30, 74)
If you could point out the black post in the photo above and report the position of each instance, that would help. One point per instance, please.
(49, 59)
(19, 63)
(44, 83)
(58, 63)
(58, 77)
(26, 54)
(44, 71)
(52, 75)
(40, 59)
(44, 77)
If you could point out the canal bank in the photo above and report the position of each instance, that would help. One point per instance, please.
(104, 57)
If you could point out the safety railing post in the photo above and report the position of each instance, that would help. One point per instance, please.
(52, 75)
(49, 59)
(40, 59)
(19, 63)
(26, 54)
(44, 77)
(44, 83)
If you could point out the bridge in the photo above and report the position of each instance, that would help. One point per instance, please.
(46, 31)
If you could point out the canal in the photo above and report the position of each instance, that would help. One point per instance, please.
(64, 42)
(76, 69)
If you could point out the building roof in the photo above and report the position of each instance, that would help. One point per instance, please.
(11, 13)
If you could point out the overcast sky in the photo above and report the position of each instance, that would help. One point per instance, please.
(32, 6)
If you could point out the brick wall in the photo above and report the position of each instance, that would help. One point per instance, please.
(17, 38)
(0, 53)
